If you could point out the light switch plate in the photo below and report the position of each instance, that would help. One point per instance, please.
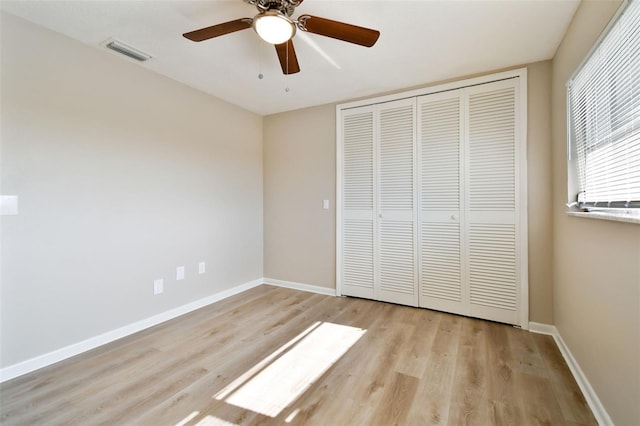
(325, 204)
(8, 205)
(202, 268)
(158, 286)
(180, 273)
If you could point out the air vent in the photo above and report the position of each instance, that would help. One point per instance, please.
(129, 51)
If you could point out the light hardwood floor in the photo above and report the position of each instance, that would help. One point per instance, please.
(266, 357)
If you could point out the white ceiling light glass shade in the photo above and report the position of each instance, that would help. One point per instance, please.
(274, 27)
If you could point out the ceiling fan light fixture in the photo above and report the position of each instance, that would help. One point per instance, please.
(274, 27)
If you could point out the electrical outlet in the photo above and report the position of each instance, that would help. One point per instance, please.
(158, 286)
(180, 273)
(202, 268)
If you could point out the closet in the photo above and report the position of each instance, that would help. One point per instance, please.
(431, 198)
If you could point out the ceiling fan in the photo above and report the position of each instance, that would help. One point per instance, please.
(274, 24)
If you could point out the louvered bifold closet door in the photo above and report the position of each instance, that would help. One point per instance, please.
(493, 201)
(440, 148)
(357, 256)
(397, 277)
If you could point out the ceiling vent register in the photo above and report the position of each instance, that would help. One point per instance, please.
(133, 53)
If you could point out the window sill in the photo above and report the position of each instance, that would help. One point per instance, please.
(616, 217)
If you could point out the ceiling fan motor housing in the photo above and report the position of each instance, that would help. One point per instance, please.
(285, 6)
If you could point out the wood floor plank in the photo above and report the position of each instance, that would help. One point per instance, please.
(386, 346)
(539, 405)
(397, 399)
(41, 391)
(381, 364)
(500, 369)
(432, 400)
(413, 362)
(526, 356)
(469, 398)
(563, 385)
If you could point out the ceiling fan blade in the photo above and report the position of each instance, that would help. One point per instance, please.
(288, 59)
(218, 30)
(338, 30)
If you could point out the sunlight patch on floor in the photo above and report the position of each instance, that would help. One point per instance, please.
(281, 378)
(214, 421)
(292, 416)
(262, 364)
(187, 419)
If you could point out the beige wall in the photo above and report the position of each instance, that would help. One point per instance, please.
(122, 175)
(539, 192)
(299, 173)
(300, 169)
(596, 262)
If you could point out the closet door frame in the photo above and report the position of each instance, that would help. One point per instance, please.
(521, 129)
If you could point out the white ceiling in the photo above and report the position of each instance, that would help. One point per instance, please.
(421, 42)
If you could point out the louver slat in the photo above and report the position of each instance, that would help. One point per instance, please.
(492, 151)
(396, 257)
(440, 162)
(358, 162)
(358, 253)
(440, 261)
(492, 272)
(396, 158)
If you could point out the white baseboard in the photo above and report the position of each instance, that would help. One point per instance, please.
(299, 286)
(47, 359)
(587, 390)
(537, 327)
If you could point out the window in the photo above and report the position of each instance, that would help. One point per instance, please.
(604, 119)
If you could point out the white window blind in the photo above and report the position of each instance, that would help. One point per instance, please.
(604, 117)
